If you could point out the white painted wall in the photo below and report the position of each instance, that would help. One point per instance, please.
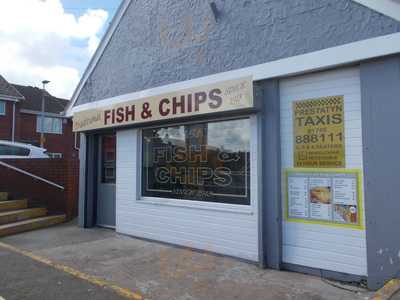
(318, 246)
(215, 227)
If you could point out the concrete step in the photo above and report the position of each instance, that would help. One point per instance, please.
(3, 196)
(13, 205)
(31, 224)
(21, 214)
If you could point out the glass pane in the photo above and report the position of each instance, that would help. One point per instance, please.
(2, 108)
(57, 126)
(202, 162)
(38, 124)
(48, 125)
(3, 150)
(13, 151)
(108, 158)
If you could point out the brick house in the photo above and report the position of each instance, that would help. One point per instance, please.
(20, 119)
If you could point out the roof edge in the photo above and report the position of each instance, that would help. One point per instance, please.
(11, 98)
(386, 7)
(99, 52)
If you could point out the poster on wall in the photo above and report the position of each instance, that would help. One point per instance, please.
(318, 127)
(325, 196)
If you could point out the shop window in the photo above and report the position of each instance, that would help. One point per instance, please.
(2, 108)
(108, 159)
(50, 125)
(201, 162)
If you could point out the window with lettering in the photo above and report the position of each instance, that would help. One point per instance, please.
(201, 162)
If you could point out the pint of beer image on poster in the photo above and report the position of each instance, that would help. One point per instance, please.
(318, 133)
(324, 196)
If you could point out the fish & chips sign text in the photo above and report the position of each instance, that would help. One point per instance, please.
(223, 96)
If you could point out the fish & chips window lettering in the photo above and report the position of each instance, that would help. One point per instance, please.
(208, 161)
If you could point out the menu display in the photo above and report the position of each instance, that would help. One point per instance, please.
(325, 195)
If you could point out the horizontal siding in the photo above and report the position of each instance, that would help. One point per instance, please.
(225, 232)
(319, 246)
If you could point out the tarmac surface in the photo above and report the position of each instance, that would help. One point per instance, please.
(23, 278)
(152, 270)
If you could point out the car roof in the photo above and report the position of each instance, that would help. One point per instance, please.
(3, 142)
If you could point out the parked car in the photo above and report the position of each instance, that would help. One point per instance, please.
(18, 150)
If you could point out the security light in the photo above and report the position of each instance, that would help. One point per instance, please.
(214, 10)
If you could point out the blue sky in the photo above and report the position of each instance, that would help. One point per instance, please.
(78, 7)
(51, 39)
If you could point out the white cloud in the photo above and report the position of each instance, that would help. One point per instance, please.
(39, 40)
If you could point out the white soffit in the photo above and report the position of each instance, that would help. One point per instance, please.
(390, 8)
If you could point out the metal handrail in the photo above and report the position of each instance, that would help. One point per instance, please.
(31, 175)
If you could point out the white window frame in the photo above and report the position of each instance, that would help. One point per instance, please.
(52, 131)
(3, 111)
(225, 207)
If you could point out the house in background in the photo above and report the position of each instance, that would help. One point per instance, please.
(9, 98)
(20, 119)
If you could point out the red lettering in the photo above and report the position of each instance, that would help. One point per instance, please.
(189, 103)
(130, 112)
(106, 116)
(120, 114)
(176, 104)
(214, 96)
(113, 116)
(164, 111)
(199, 98)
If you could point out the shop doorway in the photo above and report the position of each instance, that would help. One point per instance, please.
(105, 210)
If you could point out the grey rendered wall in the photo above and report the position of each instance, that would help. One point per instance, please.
(161, 42)
(380, 83)
(271, 212)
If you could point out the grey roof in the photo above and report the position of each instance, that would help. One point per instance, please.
(33, 100)
(6, 89)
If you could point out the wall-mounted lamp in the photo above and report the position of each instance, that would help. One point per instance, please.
(214, 10)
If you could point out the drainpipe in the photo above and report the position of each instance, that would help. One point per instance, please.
(13, 124)
(76, 142)
(44, 82)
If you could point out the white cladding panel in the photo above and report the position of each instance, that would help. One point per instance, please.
(319, 246)
(225, 229)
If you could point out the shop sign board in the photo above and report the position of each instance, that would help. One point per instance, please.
(214, 98)
(324, 196)
(318, 139)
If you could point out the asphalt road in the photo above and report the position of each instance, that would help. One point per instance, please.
(23, 278)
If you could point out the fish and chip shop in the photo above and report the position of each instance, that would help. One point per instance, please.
(290, 163)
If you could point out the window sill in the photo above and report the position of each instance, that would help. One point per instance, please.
(221, 207)
(55, 133)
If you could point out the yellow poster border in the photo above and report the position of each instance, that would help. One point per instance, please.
(357, 172)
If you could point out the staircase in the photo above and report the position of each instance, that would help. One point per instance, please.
(16, 216)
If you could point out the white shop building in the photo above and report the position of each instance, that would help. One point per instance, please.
(289, 164)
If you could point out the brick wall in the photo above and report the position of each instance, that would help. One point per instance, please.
(64, 172)
(6, 122)
(55, 143)
(25, 132)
